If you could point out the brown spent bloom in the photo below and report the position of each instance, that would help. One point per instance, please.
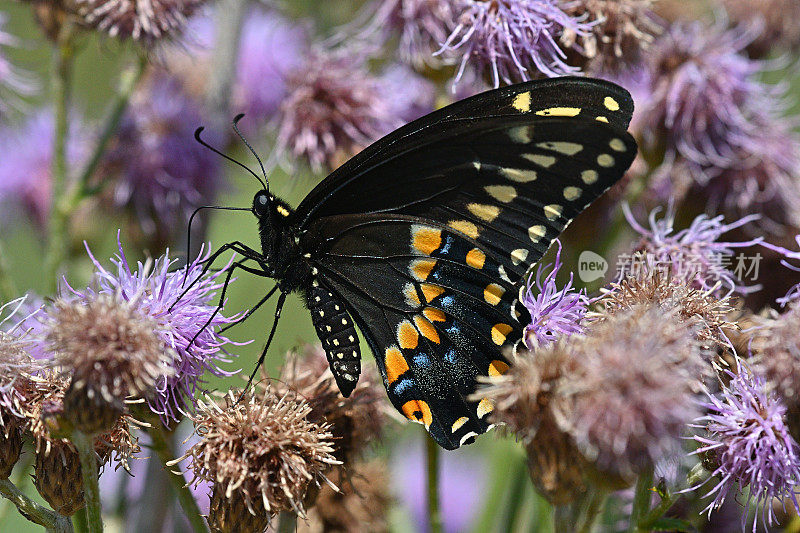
(57, 477)
(356, 421)
(651, 285)
(633, 389)
(780, 19)
(362, 505)
(146, 21)
(777, 358)
(261, 452)
(111, 353)
(16, 369)
(622, 31)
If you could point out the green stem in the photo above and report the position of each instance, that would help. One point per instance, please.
(515, 497)
(287, 522)
(161, 445)
(39, 514)
(641, 500)
(563, 518)
(591, 511)
(434, 511)
(90, 475)
(62, 88)
(668, 499)
(8, 289)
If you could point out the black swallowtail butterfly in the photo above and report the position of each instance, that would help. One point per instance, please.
(423, 238)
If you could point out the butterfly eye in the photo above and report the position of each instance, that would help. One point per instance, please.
(260, 203)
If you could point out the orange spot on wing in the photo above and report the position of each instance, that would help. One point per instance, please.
(427, 240)
(422, 268)
(485, 406)
(493, 293)
(476, 258)
(497, 368)
(500, 332)
(418, 411)
(434, 315)
(395, 364)
(466, 227)
(427, 329)
(410, 292)
(407, 335)
(431, 292)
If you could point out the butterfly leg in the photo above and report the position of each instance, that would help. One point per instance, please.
(278, 309)
(229, 274)
(252, 310)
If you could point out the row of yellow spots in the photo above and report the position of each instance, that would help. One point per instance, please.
(522, 103)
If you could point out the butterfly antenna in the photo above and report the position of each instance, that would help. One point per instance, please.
(189, 231)
(199, 139)
(236, 120)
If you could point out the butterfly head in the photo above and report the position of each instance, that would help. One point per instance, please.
(273, 216)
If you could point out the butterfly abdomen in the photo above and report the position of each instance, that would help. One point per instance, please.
(336, 330)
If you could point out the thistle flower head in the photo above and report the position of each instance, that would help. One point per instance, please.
(793, 294)
(632, 389)
(746, 439)
(777, 21)
(261, 452)
(163, 172)
(270, 48)
(110, 351)
(355, 421)
(144, 22)
(16, 365)
(554, 312)
(413, 95)
(422, 26)
(333, 109)
(694, 254)
(510, 41)
(151, 291)
(25, 178)
(622, 31)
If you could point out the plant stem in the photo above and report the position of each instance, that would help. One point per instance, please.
(8, 289)
(591, 512)
(287, 522)
(434, 511)
(90, 475)
(230, 16)
(161, 446)
(62, 87)
(668, 499)
(641, 500)
(49, 519)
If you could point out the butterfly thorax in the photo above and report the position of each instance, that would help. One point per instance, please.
(280, 247)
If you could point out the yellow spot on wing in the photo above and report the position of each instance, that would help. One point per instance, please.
(395, 364)
(535, 233)
(418, 411)
(410, 292)
(565, 148)
(605, 160)
(465, 227)
(421, 268)
(602, 119)
(519, 175)
(553, 211)
(519, 255)
(493, 293)
(501, 193)
(522, 102)
(559, 112)
(611, 104)
(545, 161)
(497, 368)
(407, 335)
(618, 145)
(520, 134)
(426, 328)
(434, 315)
(484, 212)
(426, 240)
(571, 193)
(458, 424)
(431, 292)
(500, 332)
(589, 176)
(485, 406)
(476, 258)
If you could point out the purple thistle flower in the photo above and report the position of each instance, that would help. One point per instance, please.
(164, 172)
(269, 49)
(512, 40)
(25, 178)
(413, 95)
(16, 364)
(793, 294)
(13, 81)
(555, 312)
(154, 290)
(422, 25)
(334, 108)
(749, 443)
(694, 254)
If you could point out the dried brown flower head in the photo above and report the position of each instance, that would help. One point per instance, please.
(355, 421)
(781, 23)
(633, 388)
(57, 477)
(111, 353)
(622, 30)
(16, 369)
(362, 504)
(261, 452)
(651, 285)
(145, 21)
